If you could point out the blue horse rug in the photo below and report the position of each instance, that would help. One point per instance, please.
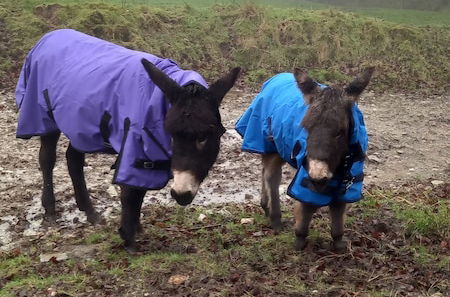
(272, 124)
(99, 95)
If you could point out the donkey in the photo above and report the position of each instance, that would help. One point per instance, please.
(105, 98)
(318, 130)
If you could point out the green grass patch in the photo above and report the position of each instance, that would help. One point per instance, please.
(221, 256)
(427, 219)
(39, 283)
(96, 238)
(402, 16)
(14, 267)
(159, 261)
(408, 16)
(262, 40)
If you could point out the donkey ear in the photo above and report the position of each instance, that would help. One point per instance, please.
(306, 84)
(357, 86)
(219, 88)
(167, 85)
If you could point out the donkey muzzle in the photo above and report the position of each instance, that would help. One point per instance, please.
(319, 185)
(185, 186)
(182, 199)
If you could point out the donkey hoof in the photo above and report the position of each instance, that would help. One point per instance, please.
(50, 217)
(95, 218)
(131, 248)
(139, 229)
(300, 243)
(276, 226)
(339, 246)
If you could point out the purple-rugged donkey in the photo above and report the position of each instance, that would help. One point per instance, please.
(105, 98)
(320, 131)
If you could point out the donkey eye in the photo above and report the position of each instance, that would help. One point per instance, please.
(339, 136)
(201, 142)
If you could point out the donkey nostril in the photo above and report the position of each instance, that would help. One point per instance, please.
(321, 181)
(182, 198)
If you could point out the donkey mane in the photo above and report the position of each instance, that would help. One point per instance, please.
(193, 118)
(194, 88)
(327, 107)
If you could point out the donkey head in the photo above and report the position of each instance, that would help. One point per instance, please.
(195, 126)
(327, 122)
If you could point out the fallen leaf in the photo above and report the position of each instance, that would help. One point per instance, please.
(177, 279)
(55, 257)
(437, 182)
(51, 292)
(247, 221)
(258, 234)
(235, 277)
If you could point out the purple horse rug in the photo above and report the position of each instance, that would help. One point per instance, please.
(99, 95)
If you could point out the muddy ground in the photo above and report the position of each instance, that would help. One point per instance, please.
(409, 141)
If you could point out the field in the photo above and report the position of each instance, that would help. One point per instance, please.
(262, 40)
(401, 16)
(399, 234)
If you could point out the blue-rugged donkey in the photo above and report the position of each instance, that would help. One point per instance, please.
(320, 131)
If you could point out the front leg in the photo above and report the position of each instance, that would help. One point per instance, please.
(337, 214)
(131, 200)
(47, 160)
(303, 214)
(75, 164)
(270, 196)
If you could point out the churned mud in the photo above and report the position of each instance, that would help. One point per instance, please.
(409, 139)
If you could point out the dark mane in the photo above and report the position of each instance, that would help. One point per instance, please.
(194, 88)
(327, 108)
(194, 116)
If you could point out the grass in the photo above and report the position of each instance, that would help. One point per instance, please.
(407, 16)
(401, 16)
(426, 214)
(427, 219)
(263, 41)
(226, 258)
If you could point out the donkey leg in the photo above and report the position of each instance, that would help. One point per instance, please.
(272, 165)
(47, 160)
(139, 229)
(303, 214)
(264, 194)
(131, 200)
(75, 163)
(337, 214)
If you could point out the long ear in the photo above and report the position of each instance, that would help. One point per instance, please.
(167, 85)
(219, 88)
(306, 84)
(357, 86)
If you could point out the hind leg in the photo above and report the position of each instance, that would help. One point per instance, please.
(303, 214)
(270, 196)
(75, 163)
(131, 200)
(337, 214)
(264, 196)
(47, 160)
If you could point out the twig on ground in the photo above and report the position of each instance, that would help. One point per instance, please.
(205, 227)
